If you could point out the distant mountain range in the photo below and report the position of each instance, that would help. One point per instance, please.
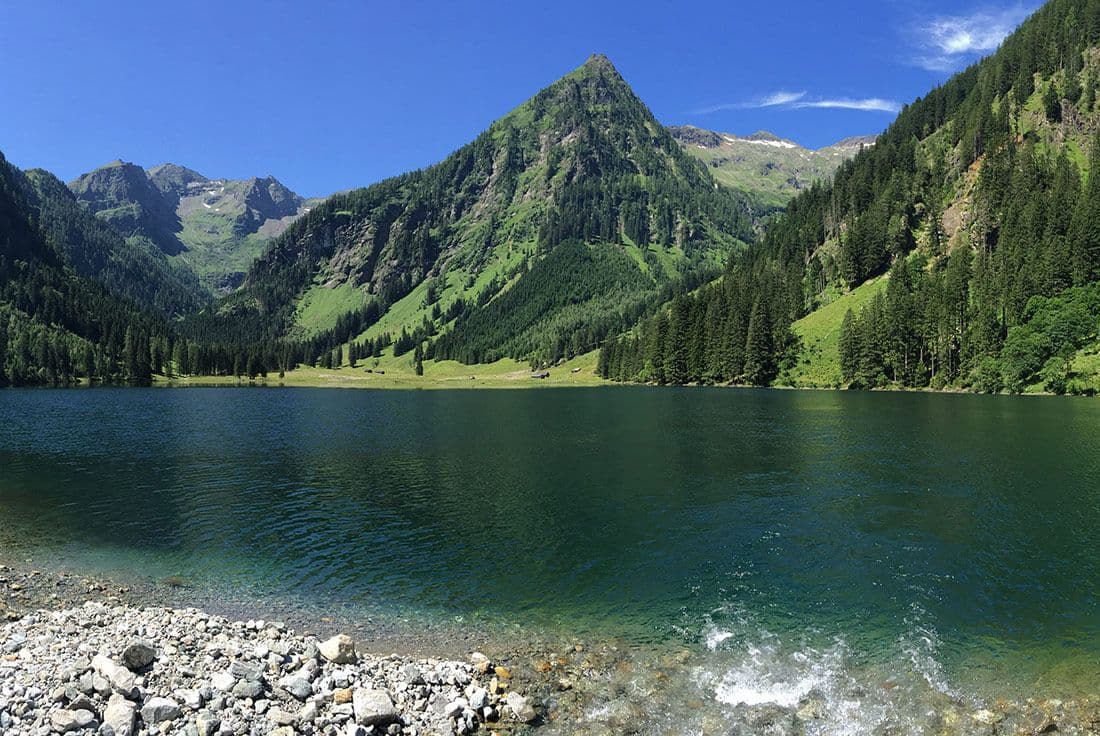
(215, 228)
(774, 168)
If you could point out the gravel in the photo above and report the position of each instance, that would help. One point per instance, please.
(131, 671)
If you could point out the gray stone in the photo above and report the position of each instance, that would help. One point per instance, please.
(138, 655)
(373, 707)
(520, 707)
(119, 715)
(82, 702)
(340, 649)
(207, 724)
(192, 699)
(66, 720)
(308, 713)
(248, 689)
(121, 679)
(245, 670)
(158, 710)
(297, 686)
(411, 675)
(354, 729)
(478, 697)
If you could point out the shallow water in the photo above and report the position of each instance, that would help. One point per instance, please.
(879, 550)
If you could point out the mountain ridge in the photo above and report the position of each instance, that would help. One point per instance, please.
(214, 227)
(773, 167)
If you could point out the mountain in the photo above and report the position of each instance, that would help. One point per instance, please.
(774, 168)
(962, 250)
(123, 196)
(97, 252)
(215, 228)
(558, 225)
(55, 324)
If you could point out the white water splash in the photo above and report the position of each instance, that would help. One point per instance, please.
(765, 674)
(823, 686)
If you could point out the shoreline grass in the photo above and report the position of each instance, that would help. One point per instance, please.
(398, 373)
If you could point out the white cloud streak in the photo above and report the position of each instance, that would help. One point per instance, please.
(950, 42)
(869, 104)
(785, 100)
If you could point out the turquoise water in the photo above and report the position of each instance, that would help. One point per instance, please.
(792, 539)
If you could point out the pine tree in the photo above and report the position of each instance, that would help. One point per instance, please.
(759, 357)
(1085, 230)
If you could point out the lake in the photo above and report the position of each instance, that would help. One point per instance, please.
(796, 542)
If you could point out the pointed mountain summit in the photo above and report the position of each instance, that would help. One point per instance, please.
(532, 241)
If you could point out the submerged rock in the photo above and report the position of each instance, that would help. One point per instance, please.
(520, 707)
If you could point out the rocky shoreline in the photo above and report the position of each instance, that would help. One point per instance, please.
(87, 655)
(129, 671)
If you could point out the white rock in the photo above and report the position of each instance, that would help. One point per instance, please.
(223, 681)
(340, 649)
(521, 709)
(122, 680)
(119, 715)
(373, 707)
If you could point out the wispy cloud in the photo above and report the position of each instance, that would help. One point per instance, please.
(781, 97)
(869, 104)
(786, 100)
(947, 43)
(775, 99)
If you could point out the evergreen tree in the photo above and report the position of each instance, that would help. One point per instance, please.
(759, 348)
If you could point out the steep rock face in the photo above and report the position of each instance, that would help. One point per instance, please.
(127, 268)
(173, 180)
(581, 161)
(214, 228)
(124, 197)
(263, 200)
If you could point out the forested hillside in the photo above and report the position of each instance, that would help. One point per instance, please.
(462, 259)
(54, 324)
(979, 204)
(97, 252)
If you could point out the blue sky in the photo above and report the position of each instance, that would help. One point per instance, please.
(332, 95)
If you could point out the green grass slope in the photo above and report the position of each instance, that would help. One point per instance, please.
(818, 363)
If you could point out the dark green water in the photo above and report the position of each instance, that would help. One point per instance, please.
(795, 538)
